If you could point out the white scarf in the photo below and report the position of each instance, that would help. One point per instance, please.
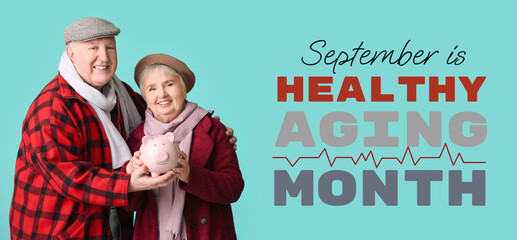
(102, 103)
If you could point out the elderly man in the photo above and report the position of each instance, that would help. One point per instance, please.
(73, 138)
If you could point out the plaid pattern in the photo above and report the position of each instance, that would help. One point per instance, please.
(64, 184)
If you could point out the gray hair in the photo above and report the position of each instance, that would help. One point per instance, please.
(153, 68)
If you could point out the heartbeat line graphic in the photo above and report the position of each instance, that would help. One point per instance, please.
(370, 154)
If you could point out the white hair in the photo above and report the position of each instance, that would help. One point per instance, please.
(160, 68)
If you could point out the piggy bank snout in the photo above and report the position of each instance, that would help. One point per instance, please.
(161, 157)
(159, 154)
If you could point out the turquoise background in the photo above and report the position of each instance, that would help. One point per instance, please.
(238, 49)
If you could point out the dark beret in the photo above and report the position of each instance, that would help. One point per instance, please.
(164, 59)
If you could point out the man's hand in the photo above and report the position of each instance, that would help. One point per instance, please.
(140, 180)
(229, 133)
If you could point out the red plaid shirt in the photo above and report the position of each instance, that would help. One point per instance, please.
(64, 184)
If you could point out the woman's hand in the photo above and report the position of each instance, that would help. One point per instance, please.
(182, 172)
(134, 163)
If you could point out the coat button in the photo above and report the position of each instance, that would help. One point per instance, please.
(192, 225)
(203, 221)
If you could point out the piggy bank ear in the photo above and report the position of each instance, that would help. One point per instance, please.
(146, 140)
(169, 136)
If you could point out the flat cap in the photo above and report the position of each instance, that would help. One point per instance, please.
(164, 59)
(89, 28)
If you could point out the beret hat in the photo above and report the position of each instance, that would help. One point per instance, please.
(164, 59)
(89, 28)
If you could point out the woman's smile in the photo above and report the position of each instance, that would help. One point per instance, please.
(164, 94)
(164, 103)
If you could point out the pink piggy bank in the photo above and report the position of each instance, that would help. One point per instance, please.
(159, 153)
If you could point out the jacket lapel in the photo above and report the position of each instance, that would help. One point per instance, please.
(202, 143)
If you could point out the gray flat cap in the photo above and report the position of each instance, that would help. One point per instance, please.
(89, 28)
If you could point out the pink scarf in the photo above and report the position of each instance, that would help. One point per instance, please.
(171, 199)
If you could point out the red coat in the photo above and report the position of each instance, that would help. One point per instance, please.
(215, 182)
(64, 184)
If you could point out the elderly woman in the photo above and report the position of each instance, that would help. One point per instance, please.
(197, 204)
